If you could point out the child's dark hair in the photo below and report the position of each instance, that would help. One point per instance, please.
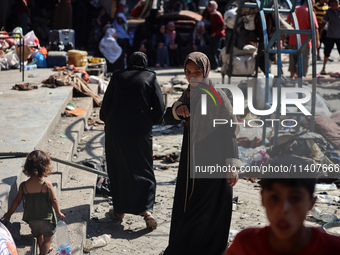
(291, 178)
(37, 163)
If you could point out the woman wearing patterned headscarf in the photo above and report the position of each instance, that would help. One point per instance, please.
(133, 102)
(202, 207)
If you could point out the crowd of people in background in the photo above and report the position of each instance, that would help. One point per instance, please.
(164, 40)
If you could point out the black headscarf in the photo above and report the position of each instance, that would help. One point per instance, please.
(138, 59)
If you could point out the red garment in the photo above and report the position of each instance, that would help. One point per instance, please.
(254, 241)
(217, 24)
(303, 21)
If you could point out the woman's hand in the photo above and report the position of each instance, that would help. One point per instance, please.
(232, 177)
(183, 111)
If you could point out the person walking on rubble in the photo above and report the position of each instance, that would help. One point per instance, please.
(132, 103)
(202, 208)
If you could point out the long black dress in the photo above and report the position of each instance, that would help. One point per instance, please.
(132, 103)
(202, 207)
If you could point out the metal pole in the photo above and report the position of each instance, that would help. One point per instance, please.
(65, 162)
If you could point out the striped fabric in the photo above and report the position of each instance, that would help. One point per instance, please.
(320, 10)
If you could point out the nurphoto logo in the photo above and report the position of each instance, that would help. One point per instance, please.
(239, 101)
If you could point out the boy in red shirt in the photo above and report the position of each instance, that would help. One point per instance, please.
(287, 201)
(302, 15)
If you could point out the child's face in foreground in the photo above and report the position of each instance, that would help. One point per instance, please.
(286, 209)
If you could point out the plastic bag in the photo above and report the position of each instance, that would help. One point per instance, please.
(4, 64)
(230, 18)
(12, 59)
(40, 60)
(4, 45)
(17, 30)
(31, 39)
(43, 51)
(96, 242)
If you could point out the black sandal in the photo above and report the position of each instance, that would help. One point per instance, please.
(150, 222)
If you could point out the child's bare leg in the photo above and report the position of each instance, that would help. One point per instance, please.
(40, 240)
(45, 247)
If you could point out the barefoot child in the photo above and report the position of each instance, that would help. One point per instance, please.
(40, 202)
(286, 201)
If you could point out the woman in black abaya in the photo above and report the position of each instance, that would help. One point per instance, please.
(202, 207)
(132, 103)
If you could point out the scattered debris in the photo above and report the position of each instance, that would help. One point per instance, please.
(70, 107)
(24, 86)
(96, 242)
(164, 167)
(172, 157)
(76, 111)
(320, 186)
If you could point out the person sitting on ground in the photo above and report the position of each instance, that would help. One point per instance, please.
(40, 201)
(200, 39)
(160, 41)
(286, 201)
(174, 56)
(112, 52)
